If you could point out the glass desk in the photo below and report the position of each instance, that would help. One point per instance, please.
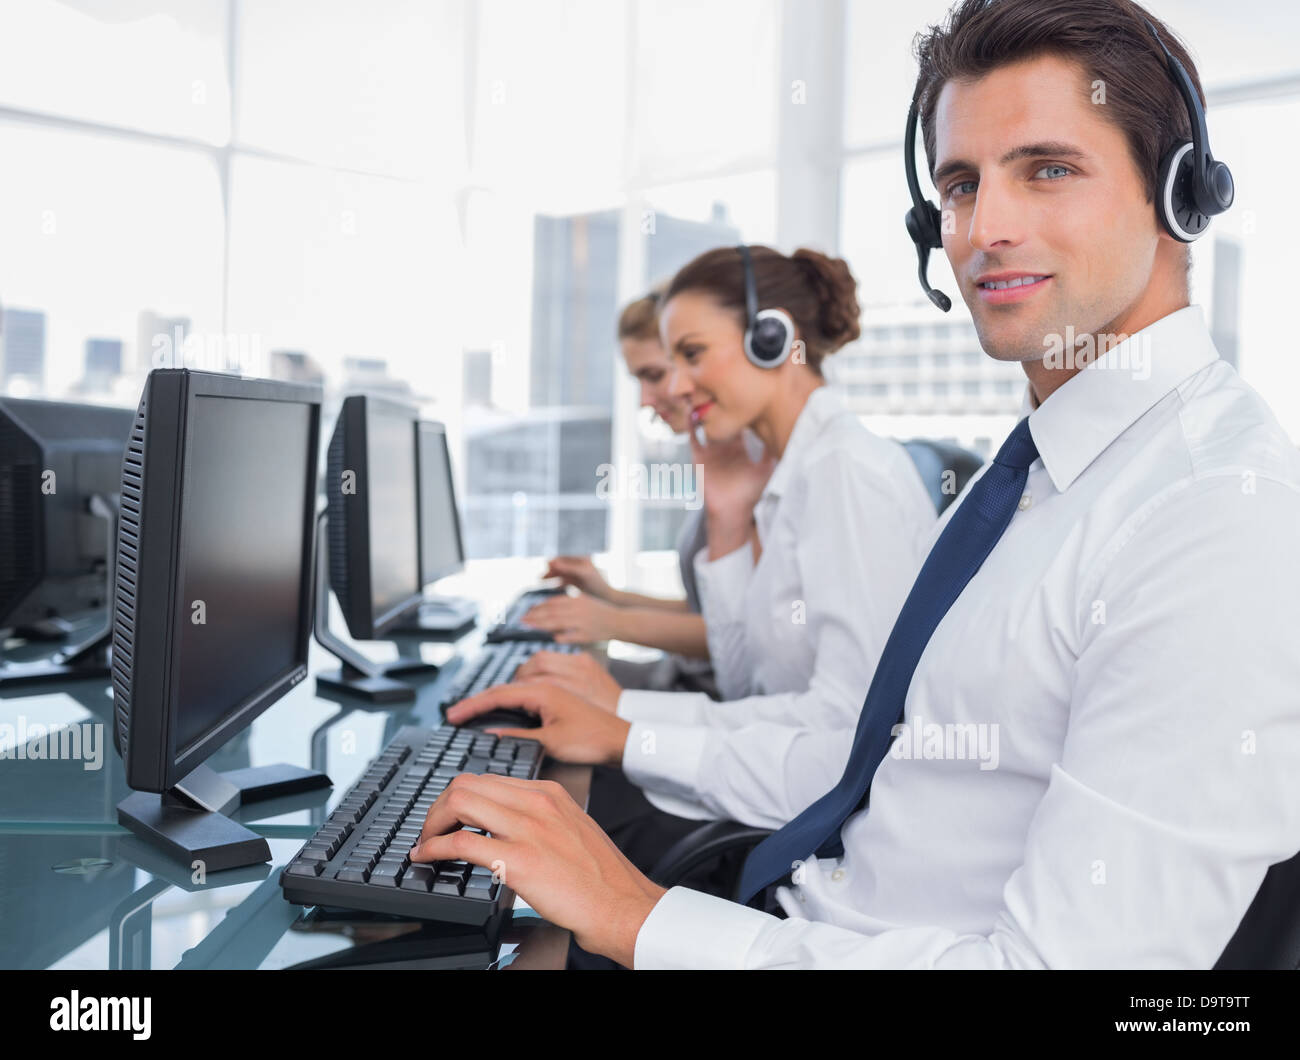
(79, 891)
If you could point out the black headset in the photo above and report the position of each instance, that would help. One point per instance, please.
(923, 220)
(1192, 186)
(769, 333)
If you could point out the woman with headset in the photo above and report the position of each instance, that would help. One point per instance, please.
(798, 595)
(599, 611)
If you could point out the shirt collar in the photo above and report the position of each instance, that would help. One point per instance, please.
(823, 405)
(1084, 415)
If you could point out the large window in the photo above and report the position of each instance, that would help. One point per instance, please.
(450, 200)
(596, 168)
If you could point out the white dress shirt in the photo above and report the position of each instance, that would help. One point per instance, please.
(844, 522)
(1131, 642)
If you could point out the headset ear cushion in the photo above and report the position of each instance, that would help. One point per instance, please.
(769, 339)
(924, 225)
(1175, 205)
(935, 225)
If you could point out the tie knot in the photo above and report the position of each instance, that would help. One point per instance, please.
(1019, 450)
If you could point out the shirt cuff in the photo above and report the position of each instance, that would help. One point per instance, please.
(679, 708)
(664, 757)
(722, 583)
(689, 929)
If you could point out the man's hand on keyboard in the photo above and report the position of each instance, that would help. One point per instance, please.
(572, 729)
(551, 853)
(579, 673)
(580, 619)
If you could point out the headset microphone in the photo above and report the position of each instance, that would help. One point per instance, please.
(923, 220)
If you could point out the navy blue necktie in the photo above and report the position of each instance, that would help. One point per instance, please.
(966, 541)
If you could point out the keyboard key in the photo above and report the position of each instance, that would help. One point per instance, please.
(305, 868)
(349, 874)
(417, 878)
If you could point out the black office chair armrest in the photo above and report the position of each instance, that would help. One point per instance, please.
(709, 841)
(1269, 934)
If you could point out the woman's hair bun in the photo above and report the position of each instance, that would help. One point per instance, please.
(837, 291)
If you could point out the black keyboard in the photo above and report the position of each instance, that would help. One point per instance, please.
(358, 858)
(495, 664)
(511, 626)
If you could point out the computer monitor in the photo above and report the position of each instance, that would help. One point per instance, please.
(60, 466)
(373, 514)
(373, 541)
(442, 551)
(212, 611)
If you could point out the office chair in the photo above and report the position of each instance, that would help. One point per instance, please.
(1269, 934)
(933, 459)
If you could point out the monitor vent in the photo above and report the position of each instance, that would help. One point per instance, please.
(128, 564)
(19, 533)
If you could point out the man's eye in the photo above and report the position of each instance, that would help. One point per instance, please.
(1057, 171)
(961, 187)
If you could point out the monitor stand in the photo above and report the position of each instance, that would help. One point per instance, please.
(442, 618)
(358, 676)
(189, 821)
(46, 629)
(89, 656)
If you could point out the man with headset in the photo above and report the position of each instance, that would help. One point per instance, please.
(1114, 595)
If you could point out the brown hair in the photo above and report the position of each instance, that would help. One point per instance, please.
(640, 318)
(1108, 38)
(818, 292)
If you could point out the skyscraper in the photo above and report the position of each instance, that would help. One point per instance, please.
(477, 383)
(573, 360)
(24, 345)
(103, 358)
(575, 295)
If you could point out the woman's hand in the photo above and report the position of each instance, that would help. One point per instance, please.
(733, 483)
(580, 674)
(574, 619)
(579, 572)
